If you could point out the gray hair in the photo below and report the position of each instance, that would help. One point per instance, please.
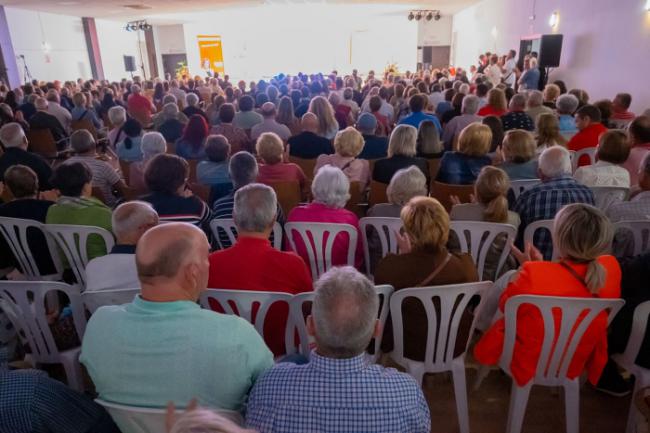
(117, 115)
(191, 99)
(12, 135)
(129, 217)
(170, 109)
(344, 312)
(470, 104)
(406, 183)
(255, 207)
(518, 101)
(403, 141)
(567, 103)
(169, 99)
(82, 141)
(555, 162)
(53, 96)
(152, 144)
(464, 89)
(41, 103)
(331, 187)
(242, 168)
(535, 98)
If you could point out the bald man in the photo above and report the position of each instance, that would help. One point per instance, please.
(44, 120)
(308, 144)
(163, 347)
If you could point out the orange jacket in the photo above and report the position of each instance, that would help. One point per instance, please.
(549, 278)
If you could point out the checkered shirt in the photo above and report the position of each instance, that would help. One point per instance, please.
(636, 209)
(543, 201)
(337, 395)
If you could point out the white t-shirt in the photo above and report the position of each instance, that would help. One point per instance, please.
(509, 76)
(493, 73)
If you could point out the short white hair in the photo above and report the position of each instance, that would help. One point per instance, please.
(555, 162)
(255, 207)
(464, 89)
(518, 101)
(191, 99)
(535, 98)
(331, 187)
(153, 143)
(470, 104)
(117, 115)
(567, 103)
(406, 183)
(129, 217)
(12, 135)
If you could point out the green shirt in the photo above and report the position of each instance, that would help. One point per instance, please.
(85, 212)
(149, 353)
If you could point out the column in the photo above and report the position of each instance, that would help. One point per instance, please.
(92, 42)
(8, 63)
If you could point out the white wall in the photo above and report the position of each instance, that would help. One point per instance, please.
(68, 56)
(114, 43)
(169, 39)
(606, 42)
(435, 33)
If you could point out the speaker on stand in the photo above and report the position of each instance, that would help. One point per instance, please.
(129, 64)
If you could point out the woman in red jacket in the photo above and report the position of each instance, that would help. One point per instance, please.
(583, 236)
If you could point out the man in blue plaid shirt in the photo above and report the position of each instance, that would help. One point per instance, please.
(543, 201)
(338, 390)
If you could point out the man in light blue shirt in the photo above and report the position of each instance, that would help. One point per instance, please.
(416, 104)
(338, 390)
(163, 347)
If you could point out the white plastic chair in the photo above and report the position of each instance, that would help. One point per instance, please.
(519, 186)
(29, 318)
(589, 151)
(73, 240)
(298, 318)
(627, 359)
(228, 226)
(242, 302)
(134, 419)
(556, 354)
(442, 329)
(319, 249)
(604, 196)
(476, 238)
(95, 299)
(529, 232)
(14, 230)
(640, 230)
(385, 229)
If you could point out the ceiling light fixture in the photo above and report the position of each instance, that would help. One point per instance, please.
(418, 16)
(429, 16)
(411, 16)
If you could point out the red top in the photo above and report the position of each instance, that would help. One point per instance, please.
(383, 125)
(253, 264)
(588, 137)
(281, 172)
(139, 104)
(551, 279)
(489, 110)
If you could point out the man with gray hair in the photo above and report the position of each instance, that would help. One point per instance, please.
(468, 115)
(338, 390)
(269, 124)
(117, 269)
(516, 118)
(543, 201)
(192, 107)
(253, 264)
(13, 138)
(44, 120)
(536, 105)
(55, 109)
(169, 111)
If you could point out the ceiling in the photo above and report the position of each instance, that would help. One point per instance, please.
(134, 9)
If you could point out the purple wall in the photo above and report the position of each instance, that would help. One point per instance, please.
(8, 54)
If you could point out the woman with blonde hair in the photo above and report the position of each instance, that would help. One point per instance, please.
(518, 155)
(463, 166)
(551, 93)
(548, 133)
(497, 104)
(327, 124)
(402, 150)
(582, 235)
(423, 260)
(348, 144)
(429, 144)
(273, 169)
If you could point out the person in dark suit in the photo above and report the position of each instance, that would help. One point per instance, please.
(308, 144)
(401, 154)
(13, 139)
(374, 147)
(44, 120)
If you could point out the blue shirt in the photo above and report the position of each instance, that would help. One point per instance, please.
(374, 147)
(414, 119)
(187, 151)
(213, 173)
(81, 113)
(148, 353)
(567, 123)
(134, 153)
(337, 395)
(530, 79)
(523, 170)
(460, 169)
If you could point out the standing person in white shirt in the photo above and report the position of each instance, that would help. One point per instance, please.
(510, 69)
(493, 71)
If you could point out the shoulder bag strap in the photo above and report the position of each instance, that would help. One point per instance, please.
(435, 272)
(573, 273)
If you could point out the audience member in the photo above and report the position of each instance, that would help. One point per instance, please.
(589, 131)
(236, 136)
(172, 126)
(44, 120)
(117, 118)
(15, 145)
(116, 270)
(169, 113)
(191, 145)
(548, 133)
(130, 148)
(246, 117)
(519, 155)
(270, 150)
(82, 112)
(566, 106)
(308, 144)
(175, 351)
(348, 143)
(338, 388)
(638, 208)
(192, 107)
(417, 104)
(639, 143)
(269, 124)
(529, 79)
(462, 167)
(622, 115)
(327, 124)
(495, 125)
(551, 93)
(55, 109)
(496, 104)
(457, 124)
(401, 154)
(517, 118)
(428, 144)
(204, 421)
(535, 106)
(214, 171)
(607, 171)
(374, 147)
(152, 144)
(139, 106)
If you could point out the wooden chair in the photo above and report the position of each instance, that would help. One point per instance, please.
(288, 194)
(125, 167)
(434, 166)
(86, 124)
(377, 193)
(443, 191)
(193, 163)
(307, 166)
(354, 203)
(41, 142)
(201, 191)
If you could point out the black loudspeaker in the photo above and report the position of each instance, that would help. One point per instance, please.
(550, 50)
(427, 54)
(129, 63)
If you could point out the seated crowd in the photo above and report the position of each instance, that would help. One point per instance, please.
(160, 164)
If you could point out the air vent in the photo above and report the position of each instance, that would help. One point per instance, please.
(138, 7)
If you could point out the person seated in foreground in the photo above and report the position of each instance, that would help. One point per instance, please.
(253, 264)
(589, 131)
(214, 171)
(348, 143)
(612, 151)
(130, 148)
(273, 169)
(583, 236)
(308, 144)
(402, 149)
(543, 201)
(463, 166)
(163, 346)
(338, 390)
(517, 118)
(191, 145)
(638, 208)
(519, 160)
(116, 270)
(12, 137)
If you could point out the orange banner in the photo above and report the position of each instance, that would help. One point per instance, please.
(211, 53)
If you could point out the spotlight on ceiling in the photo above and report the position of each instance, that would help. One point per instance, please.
(411, 16)
(429, 16)
(438, 16)
(418, 16)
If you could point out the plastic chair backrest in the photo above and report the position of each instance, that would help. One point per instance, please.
(588, 151)
(529, 232)
(476, 238)
(298, 317)
(557, 349)
(24, 303)
(73, 240)
(640, 230)
(134, 419)
(228, 226)
(242, 303)
(319, 249)
(14, 230)
(385, 229)
(637, 336)
(443, 321)
(604, 196)
(99, 298)
(288, 194)
(442, 192)
(519, 186)
(377, 193)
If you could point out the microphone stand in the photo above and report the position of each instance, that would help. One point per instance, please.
(27, 76)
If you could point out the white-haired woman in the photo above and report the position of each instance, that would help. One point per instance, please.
(348, 144)
(327, 124)
(583, 236)
(152, 144)
(402, 148)
(331, 191)
(117, 117)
